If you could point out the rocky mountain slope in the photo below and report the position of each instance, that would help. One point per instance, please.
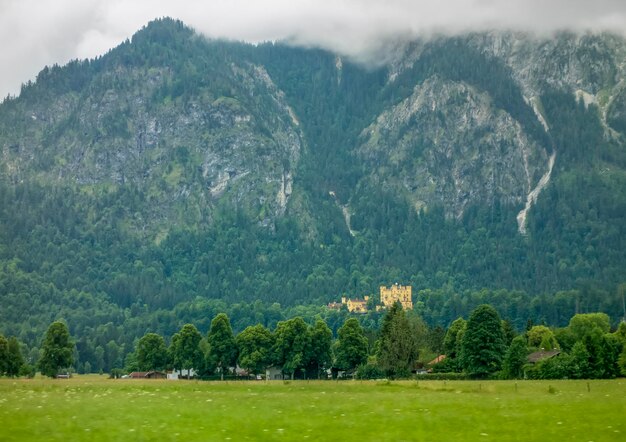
(174, 168)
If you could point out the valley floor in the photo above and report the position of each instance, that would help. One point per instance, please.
(97, 409)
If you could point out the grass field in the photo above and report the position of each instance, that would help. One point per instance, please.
(93, 408)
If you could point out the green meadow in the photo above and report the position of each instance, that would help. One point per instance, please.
(93, 408)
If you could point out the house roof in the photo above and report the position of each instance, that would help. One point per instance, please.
(437, 360)
(542, 355)
(145, 374)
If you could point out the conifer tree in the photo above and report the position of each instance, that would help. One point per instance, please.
(482, 347)
(515, 358)
(397, 347)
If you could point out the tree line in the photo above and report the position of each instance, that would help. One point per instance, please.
(70, 251)
(483, 346)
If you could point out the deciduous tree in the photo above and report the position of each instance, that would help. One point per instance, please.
(222, 346)
(4, 354)
(541, 337)
(185, 349)
(321, 347)
(292, 345)
(255, 348)
(57, 350)
(454, 335)
(351, 345)
(151, 352)
(582, 324)
(579, 362)
(16, 359)
(621, 363)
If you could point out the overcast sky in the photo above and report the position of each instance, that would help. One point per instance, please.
(35, 33)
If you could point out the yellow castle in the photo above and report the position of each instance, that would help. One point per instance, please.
(388, 297)
(353, 305)
(401, 293)
(356, 305)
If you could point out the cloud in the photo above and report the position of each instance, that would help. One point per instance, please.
(43, 32)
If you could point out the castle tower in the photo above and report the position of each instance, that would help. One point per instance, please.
(389, 295)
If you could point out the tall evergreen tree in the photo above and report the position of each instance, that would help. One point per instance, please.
(509, 332)
(57, 350)
(482, 347)
(436, 337)
(397, 347)
(222, 346)
(515, 358)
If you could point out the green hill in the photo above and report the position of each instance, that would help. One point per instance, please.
(175, 177)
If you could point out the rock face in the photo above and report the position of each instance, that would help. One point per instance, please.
(447, 144)
(214, 125)
(590, 65)
(180, 151)
(453, 144)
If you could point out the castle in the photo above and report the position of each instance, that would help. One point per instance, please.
(388, 296)
(353, 305)
(401, 293)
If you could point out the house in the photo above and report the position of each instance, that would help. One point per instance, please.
(147, 375)
(181, 374)
(274, 373)
(542, 355)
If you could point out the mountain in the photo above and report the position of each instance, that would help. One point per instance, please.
(175, 177)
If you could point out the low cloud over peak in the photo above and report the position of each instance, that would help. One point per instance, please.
(43, 32)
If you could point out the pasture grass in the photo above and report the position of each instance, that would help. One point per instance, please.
(93, 408)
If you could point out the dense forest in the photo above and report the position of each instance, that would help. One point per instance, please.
(148, 249)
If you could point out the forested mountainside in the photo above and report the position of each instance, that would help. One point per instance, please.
(175, 177)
